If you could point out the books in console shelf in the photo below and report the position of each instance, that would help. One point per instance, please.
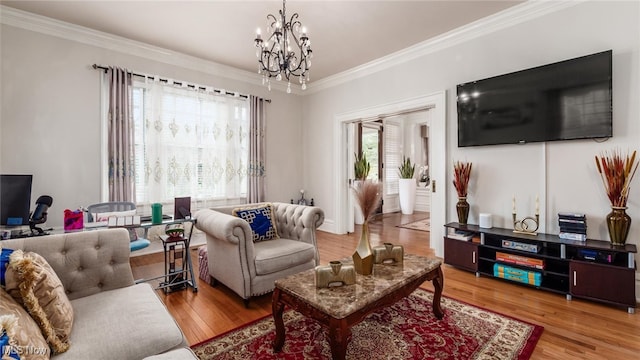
(510, 244)
(520, 260)
(519, 275)
(460, 234)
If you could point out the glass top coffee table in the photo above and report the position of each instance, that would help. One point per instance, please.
(339, 308)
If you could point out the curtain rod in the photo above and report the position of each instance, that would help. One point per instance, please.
(180, 83)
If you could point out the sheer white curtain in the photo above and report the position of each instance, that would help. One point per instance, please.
(189, 143)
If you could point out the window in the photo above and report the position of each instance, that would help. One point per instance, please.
(189, 143)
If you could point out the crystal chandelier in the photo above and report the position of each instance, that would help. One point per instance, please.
(286, 52)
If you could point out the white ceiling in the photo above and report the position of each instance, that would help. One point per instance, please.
(344, 34)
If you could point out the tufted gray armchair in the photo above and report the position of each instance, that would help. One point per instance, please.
(248, 268)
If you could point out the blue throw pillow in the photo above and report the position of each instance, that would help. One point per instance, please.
(8, 349)
(4, 262)
(261, 221)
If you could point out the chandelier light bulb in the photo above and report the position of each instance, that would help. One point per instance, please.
(289, 88)
(279, 76)
(304, 86)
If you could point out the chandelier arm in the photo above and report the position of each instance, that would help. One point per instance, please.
(273, 22)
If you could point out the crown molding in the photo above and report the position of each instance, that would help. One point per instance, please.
(42, 24)
(515, 15)
(512, 16)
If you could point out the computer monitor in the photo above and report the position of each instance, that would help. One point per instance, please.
(15, 199)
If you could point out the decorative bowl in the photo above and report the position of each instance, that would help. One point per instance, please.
(176, 232)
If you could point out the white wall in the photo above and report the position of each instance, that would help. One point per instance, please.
(562, 173)
(50, 120)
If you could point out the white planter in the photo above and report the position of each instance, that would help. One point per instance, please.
(407, 193)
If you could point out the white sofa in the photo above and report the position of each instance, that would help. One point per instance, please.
(114, 318)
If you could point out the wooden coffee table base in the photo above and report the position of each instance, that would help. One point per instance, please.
(340, 329)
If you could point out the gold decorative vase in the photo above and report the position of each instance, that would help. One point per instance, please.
(388, 254)
(618, 223)
(363, 257)
(462, 207)
(335, 274)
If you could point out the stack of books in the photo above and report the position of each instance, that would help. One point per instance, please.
(573, 226)
(519, 275)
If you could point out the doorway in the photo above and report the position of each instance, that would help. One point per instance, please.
(344, 131)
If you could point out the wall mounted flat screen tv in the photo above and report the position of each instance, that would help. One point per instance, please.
(567, 100)
(15, 199)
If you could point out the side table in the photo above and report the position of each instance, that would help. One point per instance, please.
(178, 267)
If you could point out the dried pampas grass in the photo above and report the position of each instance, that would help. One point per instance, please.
(368, 195)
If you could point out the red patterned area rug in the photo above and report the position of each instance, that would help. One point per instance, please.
(406, 330)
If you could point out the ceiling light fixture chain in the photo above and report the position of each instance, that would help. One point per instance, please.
(286, 52)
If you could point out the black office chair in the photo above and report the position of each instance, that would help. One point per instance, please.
(118, 206)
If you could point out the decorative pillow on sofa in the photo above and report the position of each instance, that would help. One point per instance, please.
(261, 219)
(31, 281)
(4, 263)
(20, 331)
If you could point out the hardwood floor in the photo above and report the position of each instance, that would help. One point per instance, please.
(576, 329)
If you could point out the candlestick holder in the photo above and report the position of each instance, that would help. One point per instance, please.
(529, 225)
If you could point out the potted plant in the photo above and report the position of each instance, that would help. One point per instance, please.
(361, 169)
(423, 178)
(616, 172)
(407, 186)
(361, 166)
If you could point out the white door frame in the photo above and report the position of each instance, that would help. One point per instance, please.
(343, 205)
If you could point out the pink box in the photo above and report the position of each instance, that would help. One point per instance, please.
(73, 220)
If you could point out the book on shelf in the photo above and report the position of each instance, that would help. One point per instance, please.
(573, 216)
(520, 260)
(572, 236)
(572, 221)
(573, 230)
(460, 234)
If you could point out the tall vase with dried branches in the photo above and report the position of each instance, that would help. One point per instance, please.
(616, 172)
(368, 196)
(461, 176)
